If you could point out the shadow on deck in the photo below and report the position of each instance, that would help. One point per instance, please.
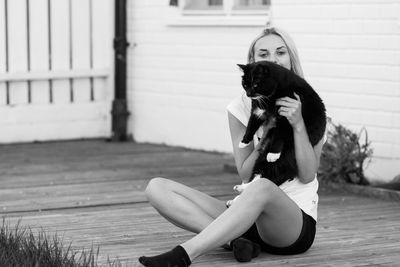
(91, 192)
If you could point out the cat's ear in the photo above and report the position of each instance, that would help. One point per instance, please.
(242, 67)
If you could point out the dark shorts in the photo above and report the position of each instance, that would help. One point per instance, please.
(302, 244)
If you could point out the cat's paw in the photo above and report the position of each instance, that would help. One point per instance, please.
(230, 202)
(243, 145)
(272, 157)
(256, 177)
(239, 187)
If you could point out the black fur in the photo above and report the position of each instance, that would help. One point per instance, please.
(269, 82)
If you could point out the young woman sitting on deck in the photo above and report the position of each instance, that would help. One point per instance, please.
(276, 219)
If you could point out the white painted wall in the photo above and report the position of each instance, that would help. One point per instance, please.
(351, 53)
(182, 77)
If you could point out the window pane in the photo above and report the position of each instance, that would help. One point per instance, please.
(215, 2)
(203, 5)
(252, 4)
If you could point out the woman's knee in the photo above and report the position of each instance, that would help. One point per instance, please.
(156, 188)
(262, 191)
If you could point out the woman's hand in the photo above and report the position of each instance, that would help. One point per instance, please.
(291, 109)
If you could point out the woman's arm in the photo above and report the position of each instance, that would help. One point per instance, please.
(244, 157)
(307, 157)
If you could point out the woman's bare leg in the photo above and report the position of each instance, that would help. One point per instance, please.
(278, 218)
(185, 207)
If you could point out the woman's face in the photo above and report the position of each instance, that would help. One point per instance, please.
(272, 48)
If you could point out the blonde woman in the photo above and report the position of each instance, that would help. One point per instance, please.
(277, 220)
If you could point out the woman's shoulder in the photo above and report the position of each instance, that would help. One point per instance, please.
(240, 107)
(240, 101)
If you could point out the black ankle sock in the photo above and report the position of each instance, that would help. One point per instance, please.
(244, 250)
(176, 257)
(227, 246)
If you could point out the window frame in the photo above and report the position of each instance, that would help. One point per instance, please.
(227, 16)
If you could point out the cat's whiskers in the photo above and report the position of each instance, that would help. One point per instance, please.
(263, 101)
(258, 98)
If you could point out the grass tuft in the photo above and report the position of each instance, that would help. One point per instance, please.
(19, 246)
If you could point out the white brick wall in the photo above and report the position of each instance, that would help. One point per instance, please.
(181, 78)
(351, 54)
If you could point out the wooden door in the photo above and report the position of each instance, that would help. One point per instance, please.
(55, 69)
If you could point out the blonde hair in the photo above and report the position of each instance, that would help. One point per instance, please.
(291, 47)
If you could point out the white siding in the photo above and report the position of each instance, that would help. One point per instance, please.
(350, 52)
(181, 78)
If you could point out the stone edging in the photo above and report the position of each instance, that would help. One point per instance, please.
(369, 191)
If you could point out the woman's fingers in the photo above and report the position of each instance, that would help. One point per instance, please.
(290, 108)
(297, 97)
(284, 103)
(286, 99)
(286, 111)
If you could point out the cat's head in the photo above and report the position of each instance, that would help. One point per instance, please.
(257, 79)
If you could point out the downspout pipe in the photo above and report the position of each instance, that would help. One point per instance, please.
(120, 111)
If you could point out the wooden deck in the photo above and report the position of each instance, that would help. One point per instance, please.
(91, 192)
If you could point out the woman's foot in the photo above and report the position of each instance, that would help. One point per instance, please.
(244, 250)
(176, 257)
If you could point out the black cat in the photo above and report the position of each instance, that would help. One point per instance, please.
(265, 82)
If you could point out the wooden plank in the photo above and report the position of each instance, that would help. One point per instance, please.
(88, 176)
(55, 75)
(17, 48)
(54, 131)
(3, 91)
(60, 190)
(102, 47)
(104, 193)
(80, 47)
(129, 237)
(54, 122)
(39, 49)
(60, 48)
(352, 230)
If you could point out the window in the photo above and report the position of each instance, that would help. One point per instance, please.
(223, 12)
(224, 7)
(259, 5)
(204, 5)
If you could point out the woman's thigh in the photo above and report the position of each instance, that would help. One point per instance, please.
(281, 221)
(168, 194)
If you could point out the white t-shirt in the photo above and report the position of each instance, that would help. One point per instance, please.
(304, 195)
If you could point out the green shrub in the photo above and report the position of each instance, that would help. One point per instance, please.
(343, 157)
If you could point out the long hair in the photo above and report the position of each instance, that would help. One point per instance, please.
(292, 50)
